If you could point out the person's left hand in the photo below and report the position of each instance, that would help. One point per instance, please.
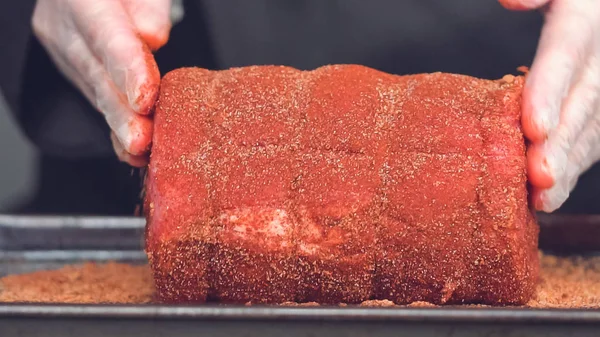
(561, 98)
(103, 48)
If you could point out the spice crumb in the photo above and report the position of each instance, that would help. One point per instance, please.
(565, 282)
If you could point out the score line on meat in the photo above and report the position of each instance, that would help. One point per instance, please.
(267, 184)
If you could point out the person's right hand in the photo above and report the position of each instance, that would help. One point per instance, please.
(103, 48)
(561, 98)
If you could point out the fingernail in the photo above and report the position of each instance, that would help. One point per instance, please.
(133, 91)
(135, 80)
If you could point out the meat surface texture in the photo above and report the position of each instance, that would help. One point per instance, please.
(268, 184)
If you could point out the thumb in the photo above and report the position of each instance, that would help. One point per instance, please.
(152, 20)
(523, 5)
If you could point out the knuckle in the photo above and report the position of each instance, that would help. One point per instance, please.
(40, 27)
(123, 52)
(121, 41)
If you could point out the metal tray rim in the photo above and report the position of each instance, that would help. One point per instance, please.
(261, 313)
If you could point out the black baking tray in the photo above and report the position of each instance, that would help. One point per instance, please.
(29, 243)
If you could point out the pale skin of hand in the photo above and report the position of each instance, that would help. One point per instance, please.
(561, 98)
(104, 49)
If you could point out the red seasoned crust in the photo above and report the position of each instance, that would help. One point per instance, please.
(268, 184)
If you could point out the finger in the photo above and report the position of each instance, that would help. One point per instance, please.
(538, 171)
(124, 156)
(521, 5)
(133, 130)
(151, 19)
(585, 153)
(564, 45)
(550, 199)
(577, 111)
(108, 30)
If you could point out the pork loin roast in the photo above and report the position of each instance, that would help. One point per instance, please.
(268, 184)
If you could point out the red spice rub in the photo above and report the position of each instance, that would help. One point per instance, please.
(564, 283)
(342, 184)
(88, 283)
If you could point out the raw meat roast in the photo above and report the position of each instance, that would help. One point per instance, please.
(268, 184)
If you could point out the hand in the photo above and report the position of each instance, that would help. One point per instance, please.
(103, 48)
(561, 98)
